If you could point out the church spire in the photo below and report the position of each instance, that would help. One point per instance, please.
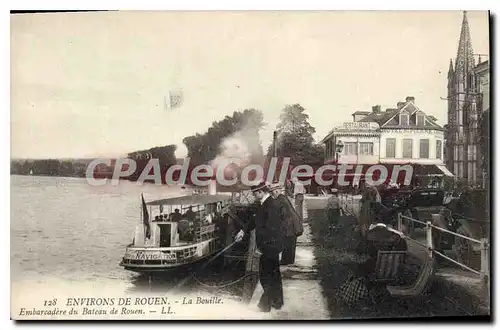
(465, 56)
(451, 75)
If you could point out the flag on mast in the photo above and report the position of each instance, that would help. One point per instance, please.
(174, 100)
(145, 219)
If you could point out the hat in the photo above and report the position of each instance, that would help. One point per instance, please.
(261, 186)
(274, 186)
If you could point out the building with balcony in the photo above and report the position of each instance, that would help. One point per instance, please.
(360, 144)
(397, 136)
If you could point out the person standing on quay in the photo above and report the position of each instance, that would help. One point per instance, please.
(299, 192)
(292, 225)
(269, 238)
(289, 191)
(333, 208)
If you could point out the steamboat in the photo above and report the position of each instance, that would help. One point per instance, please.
(179, 233)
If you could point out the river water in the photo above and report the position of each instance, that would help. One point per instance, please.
(68, 237)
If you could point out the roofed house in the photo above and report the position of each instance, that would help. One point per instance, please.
(406, 116)
(401, 135)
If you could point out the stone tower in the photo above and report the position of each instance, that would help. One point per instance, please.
(462, 129)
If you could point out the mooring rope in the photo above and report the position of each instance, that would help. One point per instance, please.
(220, 286)
(193, 274)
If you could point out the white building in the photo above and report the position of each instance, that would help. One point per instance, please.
(360, 143)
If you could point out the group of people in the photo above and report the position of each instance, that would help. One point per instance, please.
(177, 216)
(277, 226)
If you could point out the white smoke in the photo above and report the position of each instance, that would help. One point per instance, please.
(235, 148)
(240, 148)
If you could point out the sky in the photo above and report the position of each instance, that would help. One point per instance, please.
(93, 84)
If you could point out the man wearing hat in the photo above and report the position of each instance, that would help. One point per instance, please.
(269, 238)
(292, 224)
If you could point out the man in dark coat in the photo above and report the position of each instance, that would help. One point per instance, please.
(269, 238)
(292, 224)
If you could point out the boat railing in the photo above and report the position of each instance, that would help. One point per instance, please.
(204, 232)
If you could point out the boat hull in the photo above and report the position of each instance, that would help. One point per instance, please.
(153, 260)
(152, 268)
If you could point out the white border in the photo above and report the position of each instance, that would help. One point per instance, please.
(188, 5)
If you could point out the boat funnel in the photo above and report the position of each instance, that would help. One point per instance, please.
(212, 187)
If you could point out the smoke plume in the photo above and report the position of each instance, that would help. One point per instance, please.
(241, 148)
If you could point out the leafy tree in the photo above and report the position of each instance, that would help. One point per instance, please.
(295, 138)
(16, 167)
(165, 155)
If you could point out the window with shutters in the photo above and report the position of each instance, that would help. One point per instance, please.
(407, 148)
(390, 148)
(350, 148)
(404, 118)
(439, 148)
(366, 148)
(424, 148)
(420, 119)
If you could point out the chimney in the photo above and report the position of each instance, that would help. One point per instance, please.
(376, 109)
(410, 99)
(275, 144)
(212, 187)
(400, 105)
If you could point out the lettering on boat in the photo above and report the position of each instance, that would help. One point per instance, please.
(150, 255)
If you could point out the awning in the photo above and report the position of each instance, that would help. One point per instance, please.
(431, 170)
(445, 170)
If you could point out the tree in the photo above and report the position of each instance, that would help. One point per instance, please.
(203, 148)
(295, 138)
(165, 155)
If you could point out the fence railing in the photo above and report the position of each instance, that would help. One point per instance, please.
(429, 227)
(348, 205)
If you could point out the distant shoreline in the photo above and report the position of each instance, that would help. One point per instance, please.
(47, 175)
